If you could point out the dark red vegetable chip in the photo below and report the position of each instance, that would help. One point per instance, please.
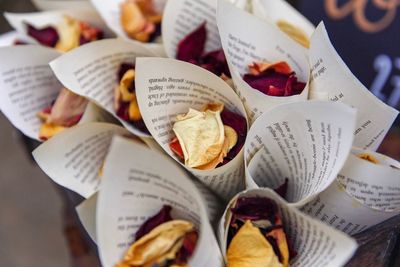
(274, 83)
(164, 215)
(239, 124)
(254, 208)
(192, 46)
(47, 36)
(191, 49)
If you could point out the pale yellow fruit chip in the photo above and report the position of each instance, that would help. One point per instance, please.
(161, 243)
(132, 18)
(231, 136)
(69, 32)
(294, 32)
(125, 83)
(249, 248)
(201, 136)
(134, 112)
(216, 107)
(48, 130)
(368, 157)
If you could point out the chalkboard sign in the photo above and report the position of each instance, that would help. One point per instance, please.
(366, 33)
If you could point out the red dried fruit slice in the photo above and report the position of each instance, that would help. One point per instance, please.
(176, 148)
(47, 36)
(164, 215)
(192, 46)
(273, 79)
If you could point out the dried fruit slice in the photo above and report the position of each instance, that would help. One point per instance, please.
(201, 136)
(368, 157)
(249, 248)
(139, 19)
(47, 36)
(274, 79)
(162, 241)
(191, 49)
(262, 213)
(294, 32)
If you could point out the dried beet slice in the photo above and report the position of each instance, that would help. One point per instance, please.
(274, 83)
(47, 36)
(164, 215)
(215, 61)
(192, 46)
(239, 124)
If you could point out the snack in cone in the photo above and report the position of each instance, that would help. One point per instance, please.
(274, 79)
(69, 34)
(191, 49)
(209, 138)
(256, 236)
(140, 20)
(66, 111)
(125, 102)
(162, 241)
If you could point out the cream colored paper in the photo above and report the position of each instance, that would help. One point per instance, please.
(166, 88)
(27, 85)
(280, 10)
(363, 195)
(91, 71)
(87, 215)
(338, 209)
(332, 80)
(54, 18)
(76, 166)
(181, 17)
(375, 185)
(315, 243)
(134, 189)
(257, 41)
(305, 142)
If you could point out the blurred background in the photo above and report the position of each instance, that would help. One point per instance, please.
(37, 224)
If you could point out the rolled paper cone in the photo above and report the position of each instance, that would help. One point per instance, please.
(315, 243)
(263, 43)
(78, 166)
(53, 18)
(27, 85)
(91, 71)
(304, 143)
(168, 87)
(332, 80)
(275, 11)
(110, 11)
(365, 193)
(47, 5)
(135, 189)
(87, 215)
(182, 17)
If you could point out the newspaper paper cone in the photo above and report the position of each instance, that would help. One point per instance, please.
(166, 88)
(259, 41)
(134, 189)
(365, 193)
(332, 80)
(315, 243)
(303, 143)
(78, 165)
(91, 71)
